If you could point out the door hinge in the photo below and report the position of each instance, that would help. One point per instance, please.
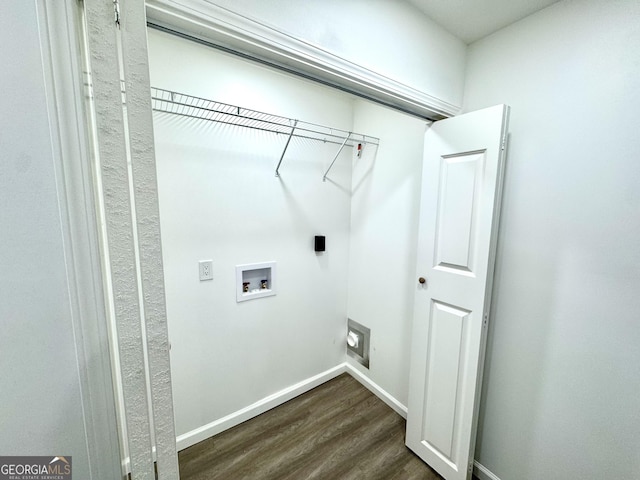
(485, 320)
(504, 143)
(116, 12)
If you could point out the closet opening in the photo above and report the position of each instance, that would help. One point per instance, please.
(239, 187)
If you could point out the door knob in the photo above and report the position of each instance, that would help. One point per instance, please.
(422, 280)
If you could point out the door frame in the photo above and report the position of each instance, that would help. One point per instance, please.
(62, 68)
(220, 28)
(121, 126)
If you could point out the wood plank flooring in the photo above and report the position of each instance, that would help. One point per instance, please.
(338, 430)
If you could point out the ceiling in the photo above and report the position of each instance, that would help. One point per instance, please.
(470, 20)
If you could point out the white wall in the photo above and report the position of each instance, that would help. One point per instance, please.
(384, 233)
(561, 383)
(220, 200)
(390, 37)
(42, 400)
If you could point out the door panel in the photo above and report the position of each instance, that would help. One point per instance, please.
(462, 178)
(446, 347)
(456, 199)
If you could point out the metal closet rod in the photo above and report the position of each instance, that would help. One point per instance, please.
(204, 109)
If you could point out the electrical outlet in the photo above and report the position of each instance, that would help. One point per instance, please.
(206, 269)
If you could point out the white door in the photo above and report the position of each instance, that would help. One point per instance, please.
(461, 185)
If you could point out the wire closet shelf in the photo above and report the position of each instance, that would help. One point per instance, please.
(184, 105)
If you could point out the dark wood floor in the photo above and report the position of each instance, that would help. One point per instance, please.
(338, 430)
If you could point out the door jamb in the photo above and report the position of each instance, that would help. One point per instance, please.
(59, 40)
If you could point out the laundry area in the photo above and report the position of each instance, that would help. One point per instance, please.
(221, 200)
(219, 212)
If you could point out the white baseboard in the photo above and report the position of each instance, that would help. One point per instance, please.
(202, 433)
(482, 472)
(217, 426)
(378, 391)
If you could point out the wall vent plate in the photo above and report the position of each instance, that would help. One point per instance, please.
(358, 341)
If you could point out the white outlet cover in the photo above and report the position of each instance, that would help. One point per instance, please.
(205, 268)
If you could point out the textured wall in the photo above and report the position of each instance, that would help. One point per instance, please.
(144, 177)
